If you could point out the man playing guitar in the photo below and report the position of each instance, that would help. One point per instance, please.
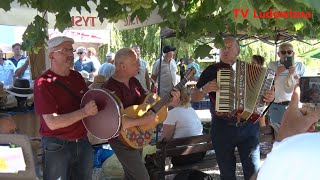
(130, 92)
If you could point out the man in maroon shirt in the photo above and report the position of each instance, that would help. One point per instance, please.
(130, 92)
(67, 153)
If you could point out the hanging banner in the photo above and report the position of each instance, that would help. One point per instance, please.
(23, 15)
(129, 23)
(88, 36)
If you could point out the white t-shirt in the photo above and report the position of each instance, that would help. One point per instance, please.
(186, 120)
(7, 70)
(96, 62)
(26, 74)
(294, 158)
(284, 86)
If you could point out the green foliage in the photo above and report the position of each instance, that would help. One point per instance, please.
(236, 15)
(5, 4)
(192, 19)
(202, 51)
(148, 38)
(35, 35)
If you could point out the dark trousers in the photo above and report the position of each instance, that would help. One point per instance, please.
(67, 160)
(226, 138)
(131, 161)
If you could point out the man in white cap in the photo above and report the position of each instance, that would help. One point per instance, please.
(84, 63)
(110, 58)
(107, 69)
(67, 153)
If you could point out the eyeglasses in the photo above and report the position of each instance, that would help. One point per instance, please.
(80, 53)
(286, 52)
(65, 50)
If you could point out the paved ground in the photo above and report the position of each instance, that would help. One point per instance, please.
(113, 171)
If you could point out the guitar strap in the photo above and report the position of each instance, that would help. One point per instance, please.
(63, 86)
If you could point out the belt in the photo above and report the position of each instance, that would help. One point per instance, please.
(75, 140)
(229, 122)
(237, 123)
(66, 141)
(284, 103)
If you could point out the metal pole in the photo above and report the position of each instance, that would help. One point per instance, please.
(158, 92)
(276, 43)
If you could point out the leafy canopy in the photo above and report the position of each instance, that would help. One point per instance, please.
(192, 19)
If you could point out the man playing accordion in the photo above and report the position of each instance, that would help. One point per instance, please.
(226, 134)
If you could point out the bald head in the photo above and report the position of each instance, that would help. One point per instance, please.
(123, 55)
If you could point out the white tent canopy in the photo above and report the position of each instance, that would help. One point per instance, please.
(86, 26)
(23, 15)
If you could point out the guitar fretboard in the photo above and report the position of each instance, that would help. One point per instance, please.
(163, 101)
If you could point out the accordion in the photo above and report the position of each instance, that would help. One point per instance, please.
(242, 89)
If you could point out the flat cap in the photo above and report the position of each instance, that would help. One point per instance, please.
(56, 41)
(110, 55)
(81, 50)
(168, 48)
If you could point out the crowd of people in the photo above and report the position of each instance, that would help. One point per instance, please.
(59, 90)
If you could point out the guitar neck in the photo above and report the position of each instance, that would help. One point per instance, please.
(163, 101)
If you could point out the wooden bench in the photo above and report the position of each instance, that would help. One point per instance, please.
(158, 165)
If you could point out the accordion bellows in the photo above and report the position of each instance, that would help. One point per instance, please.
(241, 90)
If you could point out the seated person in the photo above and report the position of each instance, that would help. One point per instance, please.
(7, 124)
(183, 121)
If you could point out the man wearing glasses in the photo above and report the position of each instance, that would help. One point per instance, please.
(67, 153)
(84, 63)
(288, 73)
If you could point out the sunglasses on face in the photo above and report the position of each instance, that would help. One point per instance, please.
(80, 52)
(286, 52)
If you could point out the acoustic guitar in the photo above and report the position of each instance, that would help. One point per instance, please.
(139, 136)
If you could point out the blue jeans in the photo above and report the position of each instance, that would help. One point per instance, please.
(276, 112)
(226, 137)
(66, 160)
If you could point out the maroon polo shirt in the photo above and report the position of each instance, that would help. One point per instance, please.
(132, 95)
(50, 98)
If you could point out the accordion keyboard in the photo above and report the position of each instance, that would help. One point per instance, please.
(241, 91)
(225, 96)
